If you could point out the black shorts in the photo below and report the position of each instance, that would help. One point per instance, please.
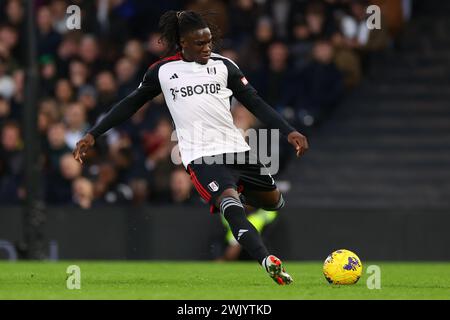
(210, 180)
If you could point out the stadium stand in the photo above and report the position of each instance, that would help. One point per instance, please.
(388, 145)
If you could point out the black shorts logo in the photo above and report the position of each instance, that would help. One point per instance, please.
(213, 186)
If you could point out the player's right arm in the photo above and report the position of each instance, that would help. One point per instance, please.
(120, 112)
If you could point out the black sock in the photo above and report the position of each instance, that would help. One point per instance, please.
(244, 232)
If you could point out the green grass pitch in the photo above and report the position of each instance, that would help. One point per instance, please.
(214, 281)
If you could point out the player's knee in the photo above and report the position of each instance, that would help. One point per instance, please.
(228, 193)
(276, 205)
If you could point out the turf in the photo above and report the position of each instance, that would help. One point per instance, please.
(210, 280)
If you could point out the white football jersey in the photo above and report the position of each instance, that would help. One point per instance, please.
(199, 100)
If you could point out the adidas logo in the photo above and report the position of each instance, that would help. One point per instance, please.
(241, 232)
(174, 76)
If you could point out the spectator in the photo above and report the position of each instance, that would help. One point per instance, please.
(355, 33)
(11, 163)
(230, 54)
(18, 98)
(89, 53)
(245, 15)
(15, 13)
(278, 44)
(44, 123)
(280, 12)
(5, 110)
(67, 50)
(217, 9)
(134, 51)
(158, 148)
(139, 188)
(121, 155)
(253, 54)
(47, 38)
(106, 87)
(15, 18)
(274, 78)
(349, 63)
(87, 96)
(78, 73)
(59, 183)
(108, 20)
(10, 49)
(180, 186)
(56, 145)
(58, 10)
(50, 108)
(83, 193)
(7, 85)
(154, 48)
(64, 93)
(107, 187)
(127, 78)
(316, 19)
(48, 115)
(316, 91)
(302, 44)
(69, 169)
(75, 119)
(242, 118)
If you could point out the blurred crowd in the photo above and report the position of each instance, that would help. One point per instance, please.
(302, 56)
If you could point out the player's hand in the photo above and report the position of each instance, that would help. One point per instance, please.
(83, 146)
(299, 141)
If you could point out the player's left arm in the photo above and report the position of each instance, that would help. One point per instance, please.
(248, 96)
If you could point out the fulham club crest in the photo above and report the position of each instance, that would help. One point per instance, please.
(211, 70)
(213, 186)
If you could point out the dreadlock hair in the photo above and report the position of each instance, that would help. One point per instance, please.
(174, 24)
